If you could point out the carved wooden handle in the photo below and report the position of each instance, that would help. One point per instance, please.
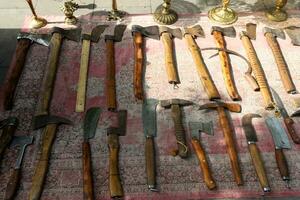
(13, 184)
(87, 172)
(169, 59)
(226, 67)
(110, 76)
(150, 163)
(5, 138)
(289, 125)
(138, 65)
(208, 179)
(281, 64)
(14, 72)
(202, 70)
(282, 164)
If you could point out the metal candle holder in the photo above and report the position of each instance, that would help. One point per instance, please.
(164, 15)
(69, 8)
(115, 14)
(277, 14)
(36, 22)
(223, 14)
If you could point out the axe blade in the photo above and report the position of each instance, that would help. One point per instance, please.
(22, 140)
(43, 39)
(251, 30)
(294, 33)
(97, 31)
(174, 32)
(227, 31)
(201, 127)
(71, 34)
(275, 32)
(150, 31)
(195, 31)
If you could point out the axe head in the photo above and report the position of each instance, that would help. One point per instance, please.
(296, 114)
(121, 129)
(250, 31)
(233, 107)
(97, 31)
(174, 32)
(150, 31)
(181, 102)
(294, 33)
(72, 34)
(197, 128)
(248, 128)
(22, 141)
(195, 31)
(275, 32)
(118, 33)
(42, 39)
(227, 31)
(43, 120)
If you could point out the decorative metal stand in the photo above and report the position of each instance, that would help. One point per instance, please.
(278, 14)
(223, 14)
(164, 15)
(115, 14)
(36, 22)
(69, 8)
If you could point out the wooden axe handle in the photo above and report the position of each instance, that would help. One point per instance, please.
(138, 65)
(282, 164)
(5, 138)
(150, 162)
(170, 59)
(87, 172)
(202, 70)
(281, 64)
(291, 130)
(226, 67)
(258, 72)
(13, 184)
(207, 176)
(14, 72)
(110, 76)
(83, 73)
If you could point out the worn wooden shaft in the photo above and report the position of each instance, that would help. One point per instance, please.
(150, 162)
(111, 100)
(13, 184)
(114, 5)
(289, 122)
(87, 172)
(282, 164)
(5, 138)
(138, 65)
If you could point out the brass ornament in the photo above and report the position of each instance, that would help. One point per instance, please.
(69, 8)
(223, 14)
(36, 22)
(115, 14)
(277, 14)
(164, 15)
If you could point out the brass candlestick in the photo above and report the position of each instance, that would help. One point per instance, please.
(164, 15)
(36, 22)
(69, 8)
(278, 14)
(115, 14)
(223, 14)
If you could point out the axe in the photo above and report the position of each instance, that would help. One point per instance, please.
(9, 127)
(294, 33)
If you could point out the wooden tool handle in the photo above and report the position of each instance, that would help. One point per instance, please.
(14, 72)
(170, 59)
(13, 184)
(259, 166)
(203, 73)
(150, 163)
(281, 64)
(258, 72)
(115, 185)
(138, 65)
(6, 137)
(289, 125)
(252, 81)
(230, 145)
(42, 165)
(49, 75)
(226, 67)
(282, 164)
(110, 76)
(83, 73)
(87, 172)
(208, 179)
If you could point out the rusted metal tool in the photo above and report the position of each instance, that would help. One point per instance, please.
(228, 134)
(294, 33)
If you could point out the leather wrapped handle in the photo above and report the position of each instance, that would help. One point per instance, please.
(170, 59)
(226, 67)
(5, 138)
(14, 72)
(115, 186)
(138, 65)
(281, 64)
(282, 164)
(110, 76)
(291, 130)
(207, 175)
(13, 184)
(87, 172)
(150, 163)
(203, 73)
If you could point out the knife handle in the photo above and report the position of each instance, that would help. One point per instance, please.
(259, 167)
(150, 163)
(87, 172)
(282, 164)
(138, 65)
(289, 125)
(209, 181)
(13, 184)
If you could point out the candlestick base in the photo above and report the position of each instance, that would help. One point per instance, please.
(165, 19)
(222, 15)
(277, 15)
(38, 22)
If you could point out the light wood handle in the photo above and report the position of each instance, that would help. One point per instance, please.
(291, 130)
(110, 76)
(13, 184)
(138, 65)
(207, 176)
(252, 81)
(281, 64)
(203, 73)
(5, 138)
(282, 164)
(150, 163)
(83, 73)
(170, 59)
(87, 172)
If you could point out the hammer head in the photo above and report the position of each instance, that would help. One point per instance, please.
(150, 31)
(121, 129)
(195, 31)
(275, 32)
(181, 102)
(43, 39)
(233, 107)
(43, 120)
(250, 31)
(118, 33)
(197, 128)
(227, 31)
(174, 32)
(72, 34)
(97, 31)
(22, 141)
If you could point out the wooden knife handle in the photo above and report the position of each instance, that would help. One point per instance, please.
(110, 76)
(49, 75)
(6, 137)
(138, 65)
(42, 165)
(226, 67)
(281, 64)
(205, 77)
(230, 145)
(207, 176)
(115, 186)
(87, 172)
(170, 59)
(150, 163)
(13, 184)
(282, 164)
(289, 125)
(14, 72)
(259, 167)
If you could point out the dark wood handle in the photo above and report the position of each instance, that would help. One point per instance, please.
(150, 163)
(87, 172)
(110, 76)
(207, 176)
(138, 65)
(291, 130)
(282, 164)
(14, 72)
(115, 186)
(5, 138)
(13, 184)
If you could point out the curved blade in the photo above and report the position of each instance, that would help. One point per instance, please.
(279, 104)
(90, 122)
(149, 117)
(248, 127)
